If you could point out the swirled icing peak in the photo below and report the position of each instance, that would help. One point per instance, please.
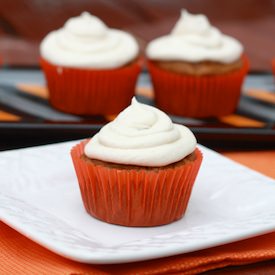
(193, 39)
(85, 41)
(141, 135)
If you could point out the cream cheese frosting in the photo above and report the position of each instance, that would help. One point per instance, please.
(141, 135)
(193, 39)
(85, 41)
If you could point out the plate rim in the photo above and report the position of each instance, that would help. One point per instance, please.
(107, 255)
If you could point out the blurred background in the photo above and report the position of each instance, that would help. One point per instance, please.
(23, 23)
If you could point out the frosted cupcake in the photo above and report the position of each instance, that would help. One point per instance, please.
(90, 68)
(196, 70)
(139, 169)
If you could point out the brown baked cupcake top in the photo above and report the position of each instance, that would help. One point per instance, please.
(188, 159)
(199, 68)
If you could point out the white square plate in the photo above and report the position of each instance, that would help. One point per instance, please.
(40, 198)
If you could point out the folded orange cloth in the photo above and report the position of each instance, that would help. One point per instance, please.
(19, 255)
(261, 161)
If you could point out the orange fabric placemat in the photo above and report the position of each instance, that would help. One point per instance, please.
(19, 255)
(261, 161)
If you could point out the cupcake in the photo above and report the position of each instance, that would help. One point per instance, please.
(139, 169)
(196, 70)
(90, 69)
(273, 66)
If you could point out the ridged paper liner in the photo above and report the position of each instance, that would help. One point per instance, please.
(135, 197)
(197, 96)
(90, 91)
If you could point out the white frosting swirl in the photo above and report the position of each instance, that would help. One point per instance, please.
(85, 41)
(141, 135)
(193, 39)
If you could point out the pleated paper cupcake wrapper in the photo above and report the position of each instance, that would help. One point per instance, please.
(197, 96)
(273, 66)
(135, 197)
(90, 92)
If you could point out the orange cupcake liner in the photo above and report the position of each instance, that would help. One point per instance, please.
(197, 96)
(134, 197)
(88, 91)
(273, 66)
